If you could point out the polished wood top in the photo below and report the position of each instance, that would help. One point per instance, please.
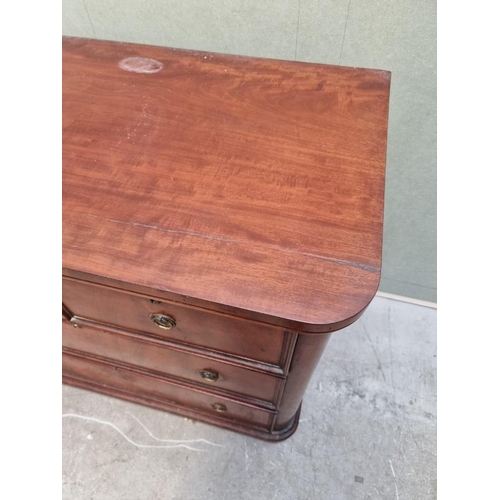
(245, 185)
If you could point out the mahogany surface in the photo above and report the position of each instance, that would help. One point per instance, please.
(198, 327)
(157, 357)
(132, 380)
(249, 183)
(240, 198)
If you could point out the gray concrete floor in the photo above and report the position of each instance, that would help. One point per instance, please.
(367, 431)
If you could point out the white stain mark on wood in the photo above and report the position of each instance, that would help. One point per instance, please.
(140, 65)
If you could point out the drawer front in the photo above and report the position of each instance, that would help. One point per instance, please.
(136, 382)
(193, 326)
(146, 353)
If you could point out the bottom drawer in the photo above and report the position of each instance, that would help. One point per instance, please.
(130, 380)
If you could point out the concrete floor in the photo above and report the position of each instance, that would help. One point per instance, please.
(368, 430)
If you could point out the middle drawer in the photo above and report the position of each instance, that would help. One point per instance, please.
(154, 355)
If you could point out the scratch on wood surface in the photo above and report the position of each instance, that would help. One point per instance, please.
(178, 443)
(364, 267)
(157, 228)
(357, 265)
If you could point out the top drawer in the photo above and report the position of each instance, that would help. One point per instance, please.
(193, 326)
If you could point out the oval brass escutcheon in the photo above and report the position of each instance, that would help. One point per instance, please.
(163, 321)
(218, 407)
(209, 375)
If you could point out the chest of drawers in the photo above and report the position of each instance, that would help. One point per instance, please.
(222, 216)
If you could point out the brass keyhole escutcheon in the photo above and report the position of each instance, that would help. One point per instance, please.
(218, 407)
(209, 376)
(163, 321)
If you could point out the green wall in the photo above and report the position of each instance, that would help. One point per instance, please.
(395, 35)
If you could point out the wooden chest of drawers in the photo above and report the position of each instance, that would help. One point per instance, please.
(222, 216)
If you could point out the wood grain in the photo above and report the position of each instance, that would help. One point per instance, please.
(247, 184)
(155, 356)
(308, 351)
(136, 381)
(195, 327)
